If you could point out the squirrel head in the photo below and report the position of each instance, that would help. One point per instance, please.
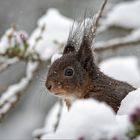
(70, 75)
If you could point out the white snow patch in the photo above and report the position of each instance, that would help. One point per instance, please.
(57, 28)
(99, 122)
(125, 15)
(122, 68)
(130, 102)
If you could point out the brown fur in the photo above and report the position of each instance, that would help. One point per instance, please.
(90, 83)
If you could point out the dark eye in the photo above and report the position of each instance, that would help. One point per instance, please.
(68, 72)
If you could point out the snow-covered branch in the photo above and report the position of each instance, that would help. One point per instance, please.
(14, 47)
(15, 44)
(113, 45)
(10, 97)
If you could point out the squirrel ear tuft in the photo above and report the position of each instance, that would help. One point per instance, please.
(85, 54)
(68, 49)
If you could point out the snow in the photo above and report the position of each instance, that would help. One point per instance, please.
(130, 102)
(124, 14)
(58, 31)
(99, 121)
(75, 124)
(122, 68)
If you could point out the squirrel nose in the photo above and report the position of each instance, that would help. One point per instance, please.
(49, 86)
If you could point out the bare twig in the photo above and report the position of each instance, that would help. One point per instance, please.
(98, 17)
(58, 115)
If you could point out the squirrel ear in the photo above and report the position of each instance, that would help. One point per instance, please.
(85, 54)
(69, 48)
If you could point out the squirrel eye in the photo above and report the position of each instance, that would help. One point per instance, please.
(68, 72)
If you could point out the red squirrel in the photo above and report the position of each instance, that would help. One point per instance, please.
(76, 76)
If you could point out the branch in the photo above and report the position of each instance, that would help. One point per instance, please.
(30, 57)
(115, 45)
(11, 96)
(58, 115)
(99, 15)
(16, 49)
(15, 44)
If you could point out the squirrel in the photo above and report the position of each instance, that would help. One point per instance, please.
(75, 74)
